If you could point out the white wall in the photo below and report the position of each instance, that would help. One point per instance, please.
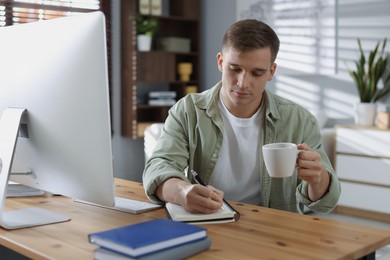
(217, 16)
(128, 153)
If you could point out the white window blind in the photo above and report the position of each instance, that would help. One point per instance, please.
(307, 34)
(319, 45)
(23, 11)
(368, 20)
(320, 36)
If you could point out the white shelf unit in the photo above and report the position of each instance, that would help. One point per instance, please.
(363, 167)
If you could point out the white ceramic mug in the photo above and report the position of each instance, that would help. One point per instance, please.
(280, 159)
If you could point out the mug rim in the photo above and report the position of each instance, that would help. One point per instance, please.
(279, 145)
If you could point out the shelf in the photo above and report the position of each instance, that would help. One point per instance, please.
(156, 69)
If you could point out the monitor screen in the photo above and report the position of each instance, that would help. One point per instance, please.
(57, 70)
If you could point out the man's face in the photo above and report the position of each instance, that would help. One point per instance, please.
(244, 78)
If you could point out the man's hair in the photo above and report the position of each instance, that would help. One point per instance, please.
(250, 34)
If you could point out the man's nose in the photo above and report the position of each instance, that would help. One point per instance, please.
(243, 80)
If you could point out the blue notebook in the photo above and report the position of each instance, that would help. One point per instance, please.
(146, 237)
(178, 252)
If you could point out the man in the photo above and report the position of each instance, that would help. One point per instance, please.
(219, 134)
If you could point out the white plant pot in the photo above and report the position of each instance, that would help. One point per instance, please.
(144, 42)
(365, 114)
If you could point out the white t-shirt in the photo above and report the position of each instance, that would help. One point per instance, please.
(237, 172)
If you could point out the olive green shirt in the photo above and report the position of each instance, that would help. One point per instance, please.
(192, 139)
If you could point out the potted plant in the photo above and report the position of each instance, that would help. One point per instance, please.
(145, 28)
(366, 76)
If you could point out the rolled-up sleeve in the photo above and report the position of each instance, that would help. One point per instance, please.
(327, 203)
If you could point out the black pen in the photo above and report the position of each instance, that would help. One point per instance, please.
(197, 178)
(200, 181)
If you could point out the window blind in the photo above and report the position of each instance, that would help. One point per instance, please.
(320, 36)
(319, 45)
(306, 29)
(24, 11)
(307, 33)
(367, 20)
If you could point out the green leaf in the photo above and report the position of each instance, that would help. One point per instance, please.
(369, 71)
(372, 56)
(381, 93)
(387, 81)
(146, 25)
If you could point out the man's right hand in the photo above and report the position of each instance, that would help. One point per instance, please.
(193, 197)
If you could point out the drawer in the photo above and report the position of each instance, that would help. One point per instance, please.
(365, 197)
(363, 141)
(365, 169)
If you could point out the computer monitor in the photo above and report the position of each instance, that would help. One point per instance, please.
(53, 77)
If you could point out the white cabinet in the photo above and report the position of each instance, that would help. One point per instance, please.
(363, 167)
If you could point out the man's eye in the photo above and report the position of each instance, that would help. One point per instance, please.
(235, 69)
(258, 74)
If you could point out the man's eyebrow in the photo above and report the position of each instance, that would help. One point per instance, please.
(233, 64)
(237, 65)
(255, 69)
(260, 70)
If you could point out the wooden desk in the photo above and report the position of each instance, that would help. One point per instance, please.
(260, 233)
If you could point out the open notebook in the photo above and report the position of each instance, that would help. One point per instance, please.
(225, 215)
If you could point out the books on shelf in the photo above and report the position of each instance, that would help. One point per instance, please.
(178, 252)
(162, 102)
(162, 94)
(144, 7)
(162, 98)
(226, 214)
(154, 7)
(148, 237)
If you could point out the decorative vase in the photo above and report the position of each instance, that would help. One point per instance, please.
(144, 42)
(365, 114)
(184, 70)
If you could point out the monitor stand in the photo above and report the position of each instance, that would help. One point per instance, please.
(28, 217)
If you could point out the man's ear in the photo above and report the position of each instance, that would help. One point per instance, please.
(219, 61)
(272, 71)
